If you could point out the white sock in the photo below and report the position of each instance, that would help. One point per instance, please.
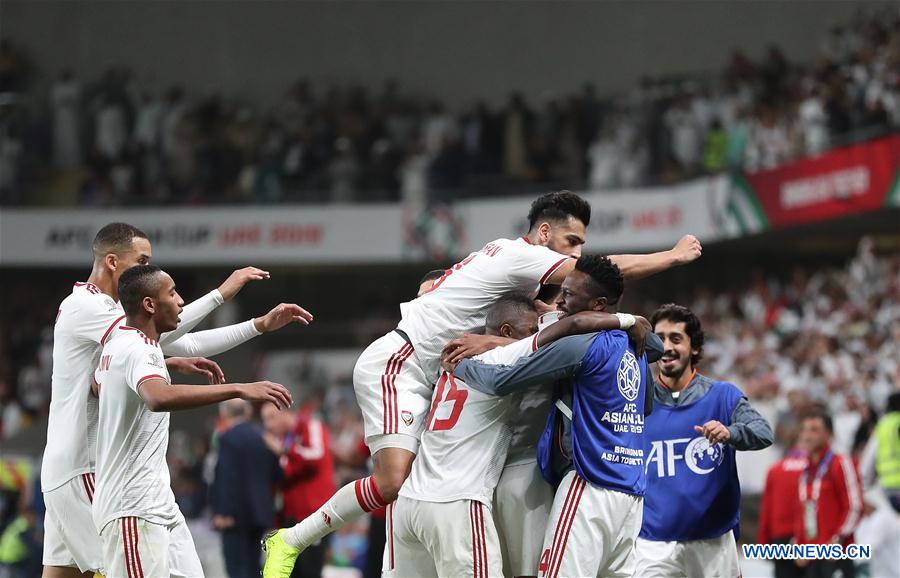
(346, 505)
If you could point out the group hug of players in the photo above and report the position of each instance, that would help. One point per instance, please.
(514, 426)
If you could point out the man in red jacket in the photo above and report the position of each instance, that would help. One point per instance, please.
(780, 507)
(830, 498)
(302, 442)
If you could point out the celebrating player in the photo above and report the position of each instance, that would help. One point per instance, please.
(441, 525)
(595, 453)
(393, 378)
(693, 498)
(142, 531)
(86, 320)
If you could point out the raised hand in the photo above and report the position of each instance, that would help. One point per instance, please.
(469, 345)
(198, 366)
(238, 279)
(687, 249)
(714, 431)
(281, 315)
(267, 391)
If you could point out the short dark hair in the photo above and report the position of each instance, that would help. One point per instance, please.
(559, 206)
(115, 238)
(605, 274)
(507, 309)
(681, 314)
(823, 415)
(135, 284)
(435, 274)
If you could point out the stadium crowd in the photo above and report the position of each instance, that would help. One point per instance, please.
(116, 141)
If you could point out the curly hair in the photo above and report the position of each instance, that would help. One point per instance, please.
(605, 274)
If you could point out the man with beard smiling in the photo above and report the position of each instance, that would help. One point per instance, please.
(692, 502)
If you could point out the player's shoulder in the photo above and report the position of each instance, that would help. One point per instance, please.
(132, 340)
(723, 388)
(89, 297)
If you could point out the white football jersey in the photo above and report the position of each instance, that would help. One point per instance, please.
(463, 447)
(531, 407)
(132, 474)
(85, 320)
(458, 302)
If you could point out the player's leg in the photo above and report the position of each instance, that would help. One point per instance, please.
(71, 545)
(394, 398)
(405, 554)
(522, 505)
(462, 539)
(657, 559)
(573, 542)
(714, 557)
(184, 561)
(133, 547)
(622, 516)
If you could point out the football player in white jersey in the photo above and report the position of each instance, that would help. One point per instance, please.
(441, 524)
(86, 320)
(142, 531)
(393, 378)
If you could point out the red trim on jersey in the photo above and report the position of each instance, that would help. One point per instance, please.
(109, 329)
(479, 512)
(132, 553)
(152, 376)
(88, 487)
(90, 287)
(551, 270)
(556, 562)
(389, 389)
(527, 241)
(559, 525)
(534, 345)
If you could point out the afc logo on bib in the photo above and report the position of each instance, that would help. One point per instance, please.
(628, 376)
(698, 455)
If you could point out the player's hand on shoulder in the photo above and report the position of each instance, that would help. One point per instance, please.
(687, 249)
(468, 345)
(267, 391)
(238, 279)
(714, 431)
(281, 315)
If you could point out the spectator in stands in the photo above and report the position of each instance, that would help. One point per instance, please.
(243, 490)
(65, 98)
(302, 442)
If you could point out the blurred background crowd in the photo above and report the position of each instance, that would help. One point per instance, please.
(118, 140)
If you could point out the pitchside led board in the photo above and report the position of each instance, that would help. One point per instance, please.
(841, 182)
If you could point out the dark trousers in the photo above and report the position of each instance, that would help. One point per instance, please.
(242, 551)
(831, 569)
(309, 564)
(787, 568)
(375, 552)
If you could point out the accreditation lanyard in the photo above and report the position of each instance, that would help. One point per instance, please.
(810, 521)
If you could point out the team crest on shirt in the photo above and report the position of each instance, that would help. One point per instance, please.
(110, 303)
(327, 519)
(407, 417)
(156, 360)
(628, 377)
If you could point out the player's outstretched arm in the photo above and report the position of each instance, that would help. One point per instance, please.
(196, 311)
(160, 395)
(548, 364)
(686, 250)
(470, 344)
(197, 366)
(639, 330)
(214, 341)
